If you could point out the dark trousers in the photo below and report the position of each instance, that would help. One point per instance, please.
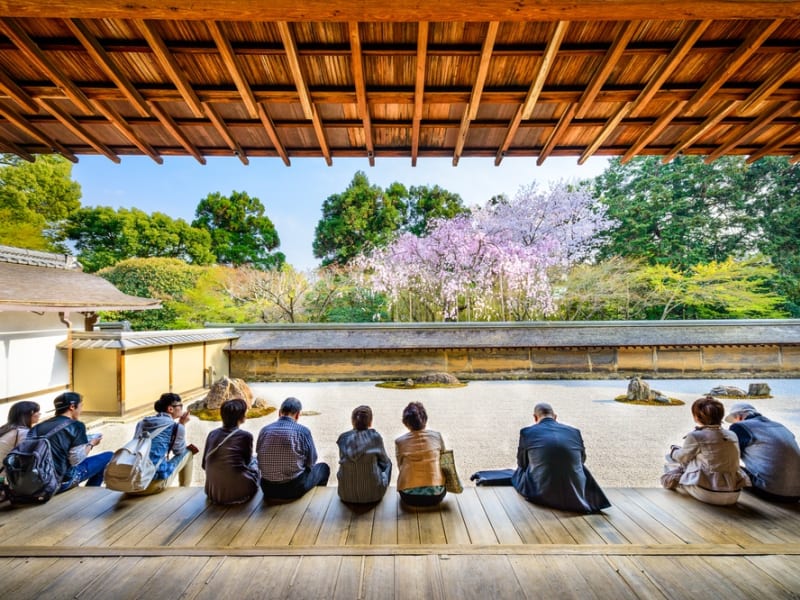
(295, 488)
(422, 499)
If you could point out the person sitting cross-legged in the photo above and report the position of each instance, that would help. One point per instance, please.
(287, 457)
(364, 467)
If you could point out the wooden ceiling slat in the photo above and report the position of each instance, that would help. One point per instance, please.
(419, 88)
(623, 36)
(125, 129)
(101, 57)
(650, 134)
(787, 69)
(34, 54)
(607, 130)
(170, 66)
(10, 147)
(471, 111)
(757, 35)
(77, 129)
(722, 111)
(555, 135)
(272, 132)
(224, 132)
(688, 39)
(229, 59)
(793, 133)
(176, 132)
(16, 93)
(525, 110)
(21, 123)
(751, 131)
(357, 62)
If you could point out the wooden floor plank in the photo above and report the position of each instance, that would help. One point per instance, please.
(349, 578)
(466, 577)
(129, 574)
(667, 517)
(581, 530)
(529, 529)
(362, 523)
(240, 578)
(379, 578)
(170, 578)
(753, 582)
(384, 526)
(175, 523)
(284, 522)
(504, 530)
(650, 530)
(690, 577)
(223, 532)
(431, 526)
(603, 580)
(315, 577)
(477, 525)
(311, 522)
(636, 578)
(784, 569)
(407, 525)
(336, 524)
(255, 525)
(18, 575)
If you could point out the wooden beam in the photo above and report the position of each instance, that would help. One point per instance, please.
(229, 59)
(125, 129)
(104, 61)
(170, 65)
(77, 129)
(419, 88)
(753, 130)
(607, 130)
(552, 141)
(16, 93)
(622, 36)
(661, 123)
(787, 69)
(792, 133)
(471, 111)
(525, 110)
(33, 131)
(10, 147)
(269, 127)
(38, 59)
(757, 35)
(408, 11)
(170, 125)
(357, 62)
(309, 110)
(689, 138)
(688, 39)
(225, 133)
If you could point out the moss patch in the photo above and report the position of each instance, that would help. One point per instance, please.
(759, 397)
(212, 414)
(401, 385)
(672, 401)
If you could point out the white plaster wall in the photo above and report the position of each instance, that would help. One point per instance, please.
(30, 362)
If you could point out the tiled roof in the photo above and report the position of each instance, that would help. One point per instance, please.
(22, 256)
(127, 340)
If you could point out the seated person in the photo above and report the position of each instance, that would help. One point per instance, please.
(770, 454)
(232, 474)
(287, 457)
(550, 469)
(21, 417)
(70, 447)
(707, 466)
(169, 421)
(364, 467)
(420, 480)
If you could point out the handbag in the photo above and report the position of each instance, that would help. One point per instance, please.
(447, 462)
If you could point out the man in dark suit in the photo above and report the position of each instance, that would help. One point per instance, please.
(550, 469)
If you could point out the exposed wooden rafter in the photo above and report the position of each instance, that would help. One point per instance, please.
(471, 112)
(788, 68)
(224, 132)
(16, 93)
(526, 108)
(169, 124)
(70, 123)
(558, 131)
(793, 133)
(101, 57)
(125, 129)
(272, 132)
(650, 134)
(419, 88)
(752, 131)
(21, 123)
(609, 127)
(229, 59)
(359, 78)
(10, 147)
(694, 134)
(37, 58)
(309, 110)
(170, 65)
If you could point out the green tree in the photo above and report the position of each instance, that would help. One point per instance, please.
(35, 200)
(104, 236)
(241, 234)
(424, 204)
(363, 215)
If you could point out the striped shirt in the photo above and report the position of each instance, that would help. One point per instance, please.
(285, 449)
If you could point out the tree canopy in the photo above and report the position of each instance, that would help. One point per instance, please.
(241, 234)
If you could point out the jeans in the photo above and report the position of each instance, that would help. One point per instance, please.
(295, 488)
(90, 470)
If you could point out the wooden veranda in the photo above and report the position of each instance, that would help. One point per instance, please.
(484, 543)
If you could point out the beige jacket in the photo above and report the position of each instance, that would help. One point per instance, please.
(418, 459)
(710, 457)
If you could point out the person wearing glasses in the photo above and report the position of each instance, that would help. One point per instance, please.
(168, 450)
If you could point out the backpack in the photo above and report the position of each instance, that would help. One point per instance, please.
(31, 476)
(130, 469)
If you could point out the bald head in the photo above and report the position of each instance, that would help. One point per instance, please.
(543, 411)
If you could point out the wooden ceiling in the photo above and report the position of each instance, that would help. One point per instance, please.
(407, 78)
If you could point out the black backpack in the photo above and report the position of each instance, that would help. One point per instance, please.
(31, 476)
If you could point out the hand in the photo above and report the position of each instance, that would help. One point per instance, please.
(95, 439)
(184, 417)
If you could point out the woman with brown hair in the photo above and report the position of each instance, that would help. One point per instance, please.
(21, 417)
(364, 467)
(707, 466)
(420, 480)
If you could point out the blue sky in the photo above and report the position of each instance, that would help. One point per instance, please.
(293, 196)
